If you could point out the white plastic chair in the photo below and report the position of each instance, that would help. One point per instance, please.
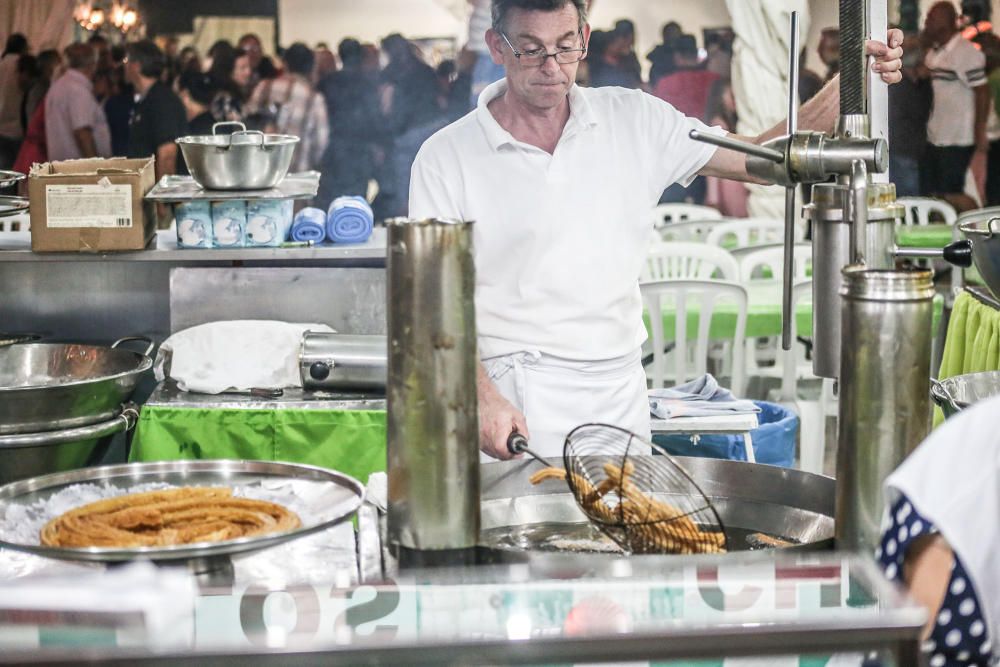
(773, 257)
(664, 214)
(690, 363)
(749, 232)
(680, 260)
(690, 230)
(920, 209)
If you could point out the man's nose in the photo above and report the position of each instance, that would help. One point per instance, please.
(550, 65)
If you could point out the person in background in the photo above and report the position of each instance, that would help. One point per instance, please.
(351, 95)
(661, 58)
(28, 75)
(413, 112)
(232, 71)
(171, 53)
(810, 82)
(829, 51)
(75, 125)
(261, 66)
(957, 125)
(458, 93)
(296, 107)
(617, 64)
(197, 91)
(990, 45)
(728, 196)
(159, 116)
(484, 71)
(688, 87)
(326, 62)
(720, 54)
(49, 62)
(34, 148)
(909, 110)
(10, 99)
(121, 100)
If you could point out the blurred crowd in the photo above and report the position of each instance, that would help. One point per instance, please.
(363, 110)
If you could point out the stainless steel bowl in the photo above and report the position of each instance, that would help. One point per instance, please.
(51, 387)
(982, 230)
(959, 392)
(243, 160)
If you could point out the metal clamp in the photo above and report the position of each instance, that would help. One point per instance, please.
(145, 339)
(124, 422)
(941, 395)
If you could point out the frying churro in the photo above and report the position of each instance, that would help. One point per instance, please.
(186, 515)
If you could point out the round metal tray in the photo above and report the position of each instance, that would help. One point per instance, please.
(324, 498)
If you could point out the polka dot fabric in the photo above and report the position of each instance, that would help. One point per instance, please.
(959, 637)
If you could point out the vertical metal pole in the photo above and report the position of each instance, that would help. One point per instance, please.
(878, 90)
(433, 426)
(791, 215)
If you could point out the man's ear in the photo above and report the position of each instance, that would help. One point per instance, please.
(496, 45)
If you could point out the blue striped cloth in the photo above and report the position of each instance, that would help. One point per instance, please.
(309, 225)
(350, 220)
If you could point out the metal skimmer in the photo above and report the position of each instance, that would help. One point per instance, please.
(647, 504)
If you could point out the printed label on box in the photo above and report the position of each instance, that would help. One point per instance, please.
(77, 206)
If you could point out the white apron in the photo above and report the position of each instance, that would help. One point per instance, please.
(557, 395)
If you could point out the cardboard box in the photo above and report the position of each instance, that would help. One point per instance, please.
(91, 205)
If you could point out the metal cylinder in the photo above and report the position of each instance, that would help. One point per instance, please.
(885, 406)
(433, 426)
(342, 361)
(832, 252)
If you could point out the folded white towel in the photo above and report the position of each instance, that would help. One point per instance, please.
(702, 397)
(235, 355)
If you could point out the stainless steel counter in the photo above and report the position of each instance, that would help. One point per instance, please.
(551, 610)
(168, 395)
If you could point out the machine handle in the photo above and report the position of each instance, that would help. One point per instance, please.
(518, 444)
(788, 269)
(739, 146)
(957, 254)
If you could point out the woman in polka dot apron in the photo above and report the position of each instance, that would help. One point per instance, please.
(941, 535)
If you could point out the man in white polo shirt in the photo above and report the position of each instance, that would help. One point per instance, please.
(560, 181)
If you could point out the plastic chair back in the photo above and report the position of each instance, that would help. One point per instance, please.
(919, 210)
(748, 232)
(772, 258)
(680, 260)
(664, 214)
(704, 296)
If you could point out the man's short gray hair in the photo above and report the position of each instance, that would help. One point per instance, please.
(80, 55)
(502, 7)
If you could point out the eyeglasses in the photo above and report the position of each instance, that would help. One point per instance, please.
(537, 57)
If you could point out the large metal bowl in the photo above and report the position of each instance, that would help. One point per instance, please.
(959, 392)
(791, 505)
(52, 387)
(982, 230)
(243, 160)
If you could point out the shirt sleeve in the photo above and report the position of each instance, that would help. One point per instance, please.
(672, 157)
(81, 113)
(430, 193)
(975, 70)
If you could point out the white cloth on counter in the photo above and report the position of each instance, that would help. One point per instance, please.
(557, 395)
(701, 397)
(234, 355)
(953, 480)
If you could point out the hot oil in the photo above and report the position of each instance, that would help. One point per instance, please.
(586, 538)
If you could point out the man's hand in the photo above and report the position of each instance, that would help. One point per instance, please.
(497, 419)
(888, 56)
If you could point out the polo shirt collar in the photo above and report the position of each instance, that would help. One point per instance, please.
(581, 114)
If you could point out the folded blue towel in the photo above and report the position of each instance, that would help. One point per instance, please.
(702, 397)
(309, 225)
(350, 220)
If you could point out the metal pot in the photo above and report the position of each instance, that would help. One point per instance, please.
(243, 160)
(959, 392)
(51, 387)
(788, 504)
(28, 455)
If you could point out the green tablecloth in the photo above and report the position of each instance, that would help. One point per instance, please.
(763, 315)
(973, 341)
(924, 236)
(351, 441)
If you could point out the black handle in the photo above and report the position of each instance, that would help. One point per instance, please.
(319, 371)
(516, 443)
(958, 254)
